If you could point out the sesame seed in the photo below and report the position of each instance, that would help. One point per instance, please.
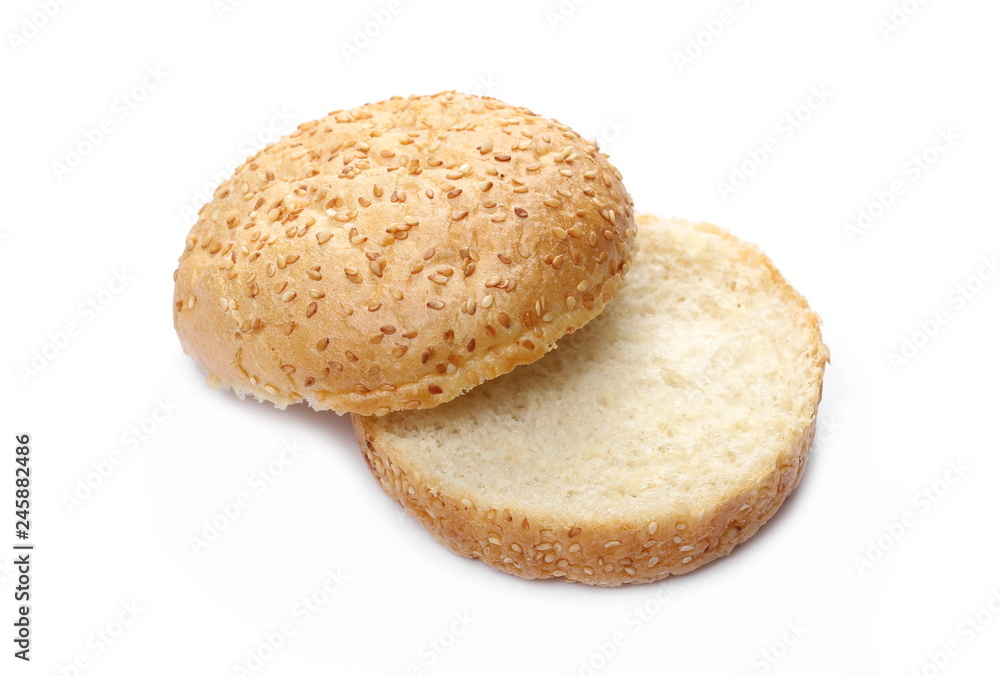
(438, 278)
(435, 304)
(504, 258)
(374, 306)
(612, 543)
(485, 185)
(566, 172)
(288, 296)
(434, 389)
(487, 301)
(323, 236)
(311, 310)
(548, 317)
(375, 268)
(552, 202)
(502, 158)
(459, 215)
(399, 351)
(486, 147)
(652, 527)
(454, 193)
(687, 559)
(583, 285)
(314, 274)
(559, 233)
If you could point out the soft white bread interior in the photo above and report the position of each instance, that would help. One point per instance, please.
(652, 441)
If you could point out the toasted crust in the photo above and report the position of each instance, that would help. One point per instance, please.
(591, 548)
(396, 255)
(642, 556)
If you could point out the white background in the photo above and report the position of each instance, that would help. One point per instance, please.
(864, 601)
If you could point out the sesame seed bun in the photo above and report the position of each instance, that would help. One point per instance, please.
(398, 254)
(654, 440)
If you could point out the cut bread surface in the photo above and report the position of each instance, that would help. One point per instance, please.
(650, 442)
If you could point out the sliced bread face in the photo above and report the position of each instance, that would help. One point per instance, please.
(652, 441)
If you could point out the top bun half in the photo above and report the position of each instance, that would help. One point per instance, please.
(398, 254)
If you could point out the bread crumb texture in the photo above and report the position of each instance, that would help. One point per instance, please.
(395, 255)
(654, 440)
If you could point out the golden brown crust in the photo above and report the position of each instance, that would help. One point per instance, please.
(398, 254)
(521, 545)
(603, 552)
